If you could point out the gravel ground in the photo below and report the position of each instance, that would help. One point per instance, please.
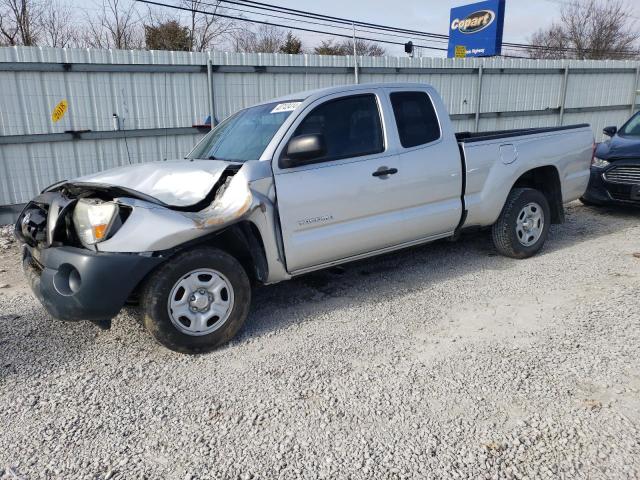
(444, 361)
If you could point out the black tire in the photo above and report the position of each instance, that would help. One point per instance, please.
(504, 231)
(155, 300)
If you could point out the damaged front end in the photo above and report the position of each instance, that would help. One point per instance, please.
(232, 201)
(88, 244)
(155, 225)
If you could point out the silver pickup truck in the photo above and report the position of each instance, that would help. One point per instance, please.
(284, 188)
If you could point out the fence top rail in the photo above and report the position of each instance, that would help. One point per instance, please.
(218, 68)
(20, 54)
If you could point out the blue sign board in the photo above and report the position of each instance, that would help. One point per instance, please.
(476, 29)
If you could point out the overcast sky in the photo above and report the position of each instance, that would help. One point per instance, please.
(522, 17)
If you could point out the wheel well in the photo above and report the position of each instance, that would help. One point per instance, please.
(244, 242)
(546, 180)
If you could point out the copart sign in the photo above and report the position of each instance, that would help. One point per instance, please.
(476, 29)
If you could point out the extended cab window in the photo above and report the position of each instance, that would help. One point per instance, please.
(415, 117)
(351, 127)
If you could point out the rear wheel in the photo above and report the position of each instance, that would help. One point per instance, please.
(197, 301)
(523, 225)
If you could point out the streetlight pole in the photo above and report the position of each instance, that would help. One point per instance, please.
(355, 55)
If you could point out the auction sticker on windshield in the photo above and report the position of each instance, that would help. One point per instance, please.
(285, 107)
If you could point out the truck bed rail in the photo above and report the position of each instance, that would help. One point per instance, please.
(469, 137)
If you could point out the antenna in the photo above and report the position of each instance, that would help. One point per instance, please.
(166, 128)
(124, 129)
(355, 54)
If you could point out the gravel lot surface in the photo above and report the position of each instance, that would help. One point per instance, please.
(444, 361)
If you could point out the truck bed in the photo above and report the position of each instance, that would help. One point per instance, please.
(493, 161)
(469, 137)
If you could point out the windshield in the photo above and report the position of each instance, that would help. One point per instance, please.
(244, 135)
(632, 127)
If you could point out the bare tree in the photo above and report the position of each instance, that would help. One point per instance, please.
(265, 39)
(59, 25)
(116, 25)
(345, 47)
(594, 29)
(206, 29)
(327, 47)
(366, 48)
(20, 21)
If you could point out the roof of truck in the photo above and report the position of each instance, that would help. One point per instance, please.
(321, 92)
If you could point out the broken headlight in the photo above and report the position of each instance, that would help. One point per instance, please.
(93, 218)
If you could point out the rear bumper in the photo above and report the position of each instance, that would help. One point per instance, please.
(602, 192)
(78, 284)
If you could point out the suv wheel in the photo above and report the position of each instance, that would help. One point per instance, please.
(523, 225)
(196, 301)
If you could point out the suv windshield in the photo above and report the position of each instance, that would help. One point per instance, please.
(244, 135)
(631, 128)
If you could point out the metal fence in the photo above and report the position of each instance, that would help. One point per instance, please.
(138, 106)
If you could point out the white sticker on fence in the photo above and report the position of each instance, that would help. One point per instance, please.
(285, 107)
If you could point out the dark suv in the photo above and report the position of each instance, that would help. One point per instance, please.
(615, 171)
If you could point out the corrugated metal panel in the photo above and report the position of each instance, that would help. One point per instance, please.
(164, 100)
(503, 93)
(141, 100)
(598, 120)
(598, 89)
(25, 169)
(520, 121)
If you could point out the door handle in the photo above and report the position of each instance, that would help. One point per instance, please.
(384, 172)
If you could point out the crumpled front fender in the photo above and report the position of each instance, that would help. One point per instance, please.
(151, 227)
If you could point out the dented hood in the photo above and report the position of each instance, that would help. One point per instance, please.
(177, 183)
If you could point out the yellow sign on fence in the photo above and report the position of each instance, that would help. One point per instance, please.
(59, 111)
(460, 51)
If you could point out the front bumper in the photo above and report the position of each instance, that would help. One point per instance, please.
(602, 192)
(78, 284)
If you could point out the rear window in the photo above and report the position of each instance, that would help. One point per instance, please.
(415, 117)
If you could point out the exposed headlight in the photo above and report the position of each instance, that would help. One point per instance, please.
(93, 218)
(599, 162)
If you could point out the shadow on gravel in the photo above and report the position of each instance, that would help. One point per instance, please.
(416, 268)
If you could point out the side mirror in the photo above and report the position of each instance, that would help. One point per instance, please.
(302, 150)
(610, 131)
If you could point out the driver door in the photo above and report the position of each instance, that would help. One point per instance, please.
(337, 207)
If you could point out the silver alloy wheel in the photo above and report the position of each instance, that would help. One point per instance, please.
(200, 302)
(530, 224)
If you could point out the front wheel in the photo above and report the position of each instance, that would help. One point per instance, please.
(523, 225)
(196, 301)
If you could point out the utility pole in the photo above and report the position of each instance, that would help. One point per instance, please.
(355, 54)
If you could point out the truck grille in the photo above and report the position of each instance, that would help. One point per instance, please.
(628, 175)
(31, 226)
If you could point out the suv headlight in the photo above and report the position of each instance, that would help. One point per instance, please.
(93, 218)
(599, 162)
